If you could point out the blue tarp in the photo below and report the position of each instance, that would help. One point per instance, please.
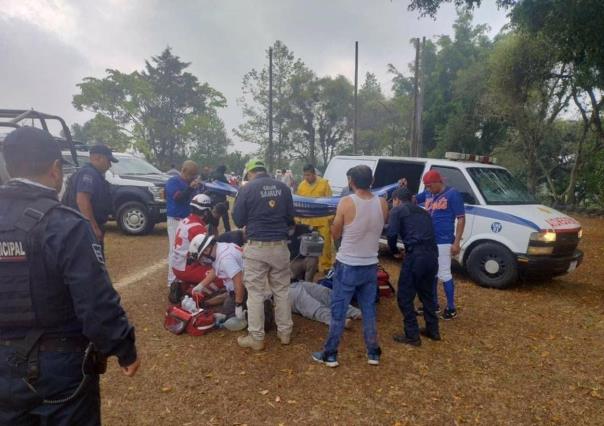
(303, 206)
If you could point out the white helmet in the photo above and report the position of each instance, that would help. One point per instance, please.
(199, 243)
(201, 202)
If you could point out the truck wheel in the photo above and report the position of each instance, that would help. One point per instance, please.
(492, 265)
(133, 218)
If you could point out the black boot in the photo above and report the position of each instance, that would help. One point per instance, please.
(402, 338)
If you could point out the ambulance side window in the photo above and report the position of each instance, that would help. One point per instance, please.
(454, 177)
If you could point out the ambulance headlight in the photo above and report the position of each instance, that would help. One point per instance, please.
(544, 236)
(158, 193)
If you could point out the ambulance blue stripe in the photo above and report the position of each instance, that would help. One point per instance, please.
(505, 217)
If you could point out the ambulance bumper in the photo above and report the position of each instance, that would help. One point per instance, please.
(549, 265)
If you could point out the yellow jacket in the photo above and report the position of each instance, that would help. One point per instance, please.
(318, 189)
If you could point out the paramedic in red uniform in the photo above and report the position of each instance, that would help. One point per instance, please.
(188, 228)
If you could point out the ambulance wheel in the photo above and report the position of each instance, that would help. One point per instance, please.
(492, 265)
(133, 218)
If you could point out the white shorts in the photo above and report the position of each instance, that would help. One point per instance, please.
(444, 262)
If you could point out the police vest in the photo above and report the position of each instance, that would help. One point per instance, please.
(22, 266)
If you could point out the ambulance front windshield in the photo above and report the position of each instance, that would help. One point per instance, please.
(499, 187)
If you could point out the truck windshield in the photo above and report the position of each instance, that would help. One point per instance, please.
(499, 187)
(134, 166)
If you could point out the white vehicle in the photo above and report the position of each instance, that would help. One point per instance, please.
(137, 192)
(507, 231)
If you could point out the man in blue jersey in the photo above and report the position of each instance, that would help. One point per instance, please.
(180, 189)
(445, 205)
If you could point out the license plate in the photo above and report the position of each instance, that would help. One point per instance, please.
(162, 211)
(572, 266)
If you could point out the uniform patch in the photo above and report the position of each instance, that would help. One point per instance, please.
(87, 179)
(272, 204)
(98, 252)
(12, 251)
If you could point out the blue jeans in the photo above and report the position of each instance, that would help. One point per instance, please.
(349, 281)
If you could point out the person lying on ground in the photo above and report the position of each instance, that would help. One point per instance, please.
(313, 301)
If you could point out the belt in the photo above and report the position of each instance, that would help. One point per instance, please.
(54, 344)
(267, 243)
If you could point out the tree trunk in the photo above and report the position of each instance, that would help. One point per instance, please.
(531, 172)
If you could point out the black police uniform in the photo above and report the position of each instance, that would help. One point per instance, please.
(88, 179)
(55, 298)
(420, 266)
(265, 206)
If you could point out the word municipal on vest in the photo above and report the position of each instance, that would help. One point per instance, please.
(11, 251)
(269, 191)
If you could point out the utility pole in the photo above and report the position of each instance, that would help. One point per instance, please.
(356, 103)
(420, 100)
(270, 110)
(413, 151)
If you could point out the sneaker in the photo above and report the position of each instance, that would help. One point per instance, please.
(402, 338)
(348, 324)
(328, 360)
(449, 314)
(373, 359)
(285, 338)
(249, 342)
(431, 336)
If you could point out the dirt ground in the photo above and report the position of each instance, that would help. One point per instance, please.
(533, 354)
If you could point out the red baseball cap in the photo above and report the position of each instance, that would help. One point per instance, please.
(432, 177)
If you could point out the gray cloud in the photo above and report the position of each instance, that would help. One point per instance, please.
(222, 39)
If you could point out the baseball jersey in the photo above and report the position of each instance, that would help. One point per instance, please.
(444, 208)
(188, 228)
(228, 263)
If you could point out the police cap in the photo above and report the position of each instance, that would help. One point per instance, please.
(104, 150)
(29, 145)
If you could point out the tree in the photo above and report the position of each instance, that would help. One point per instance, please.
(207, 138)
(455, 74)
(334, 115)
(311, 115)
(373, 117)
(254, 103)
(574, 27)
(153, 106)
(101, 130)
(528, 89)
(430, 7)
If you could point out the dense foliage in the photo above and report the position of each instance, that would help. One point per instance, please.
(532, 95)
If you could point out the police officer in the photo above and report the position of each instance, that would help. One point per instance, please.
(420, 265)
(265, 207)
(88, 191)
(55, 296)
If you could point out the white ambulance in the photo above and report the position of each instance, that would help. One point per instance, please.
(507, 232)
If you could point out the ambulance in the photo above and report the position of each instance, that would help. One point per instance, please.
(508, 234)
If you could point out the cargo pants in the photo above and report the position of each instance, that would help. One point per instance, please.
(266, 271)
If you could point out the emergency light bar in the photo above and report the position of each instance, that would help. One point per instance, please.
(458, 156)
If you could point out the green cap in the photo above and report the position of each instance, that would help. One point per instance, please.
(254, 164)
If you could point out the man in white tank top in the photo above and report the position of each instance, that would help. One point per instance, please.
(359, 222)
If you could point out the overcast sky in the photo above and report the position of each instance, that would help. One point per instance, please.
(48, 46)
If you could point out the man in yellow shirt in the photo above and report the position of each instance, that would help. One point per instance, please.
(317, 187)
